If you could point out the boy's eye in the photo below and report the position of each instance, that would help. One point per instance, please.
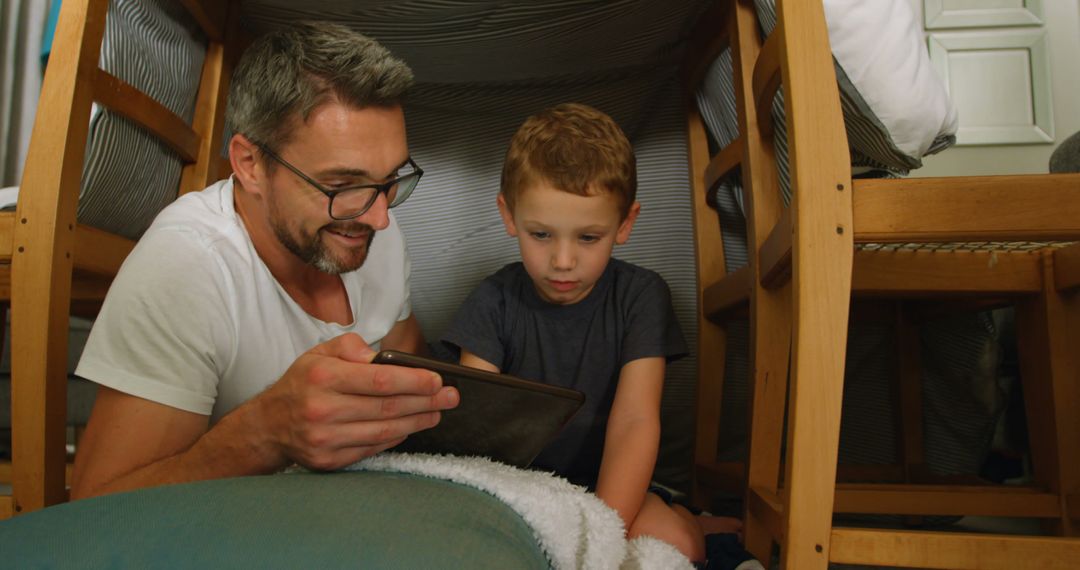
(539, 235)
(589, 238)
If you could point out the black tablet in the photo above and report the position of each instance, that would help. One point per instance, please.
(500, 416)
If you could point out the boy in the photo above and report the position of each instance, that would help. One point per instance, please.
(571, 315)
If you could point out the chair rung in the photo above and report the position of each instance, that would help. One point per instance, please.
(723, 163)
(919, 272)
(768, 508)
(139, 107)
(100, 252)
(730, 292)
(990, 501)
(921, 549)
(962, 272)
(775, 253)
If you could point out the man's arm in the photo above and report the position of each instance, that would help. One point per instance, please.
(331, 408)
(632, 438)
(406, 336)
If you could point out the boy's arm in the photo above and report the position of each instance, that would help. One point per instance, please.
(473, 361)
(406, 336)
(633, 437)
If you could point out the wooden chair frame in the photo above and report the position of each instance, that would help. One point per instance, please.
(803, 271)
(55, 266)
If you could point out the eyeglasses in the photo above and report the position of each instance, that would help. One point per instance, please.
(352, 201)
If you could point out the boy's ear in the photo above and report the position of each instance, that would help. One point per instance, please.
(244, 158)
(627, 224)
(507, 216)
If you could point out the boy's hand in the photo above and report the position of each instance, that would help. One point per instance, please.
(332, 407)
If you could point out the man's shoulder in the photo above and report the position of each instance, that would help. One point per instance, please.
(214, 201)
(191, 240)
(203, 219)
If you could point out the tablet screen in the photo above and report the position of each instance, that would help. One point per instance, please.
(502, 417)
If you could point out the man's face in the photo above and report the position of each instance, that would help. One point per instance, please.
(565, 239)
(338, 146)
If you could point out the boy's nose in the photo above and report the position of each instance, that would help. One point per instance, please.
(563, 258)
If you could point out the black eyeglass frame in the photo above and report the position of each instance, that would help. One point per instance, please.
(383, 188)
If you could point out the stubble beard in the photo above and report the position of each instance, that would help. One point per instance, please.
(311, 249)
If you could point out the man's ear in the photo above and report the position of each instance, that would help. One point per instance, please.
(627, 224)
(244, 158)
(507, 216)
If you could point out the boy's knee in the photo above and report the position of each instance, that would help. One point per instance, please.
(690, 541)
(664, 522)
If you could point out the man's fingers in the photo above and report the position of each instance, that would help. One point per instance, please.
(382, 434)
(374, 379)
(351, 408)
(349, 346)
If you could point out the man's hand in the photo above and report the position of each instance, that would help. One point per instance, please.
(332, 407)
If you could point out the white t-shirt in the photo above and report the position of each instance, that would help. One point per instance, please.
(195, 320)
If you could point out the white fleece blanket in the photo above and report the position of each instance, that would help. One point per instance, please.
(574, 528)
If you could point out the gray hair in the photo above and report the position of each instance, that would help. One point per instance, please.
(285, 75)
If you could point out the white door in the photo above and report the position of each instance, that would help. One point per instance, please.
(1012, 68)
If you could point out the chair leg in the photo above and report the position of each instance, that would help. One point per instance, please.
(821, 299)
(909, 352)
(3, 324)
(909, 397)
(1049, 380)
(770, 351)
(712, 352)
(813, 439)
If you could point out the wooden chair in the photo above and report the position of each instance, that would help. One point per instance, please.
(804, 267)
(51, 265)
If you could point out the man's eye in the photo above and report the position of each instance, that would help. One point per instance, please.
(345, 183)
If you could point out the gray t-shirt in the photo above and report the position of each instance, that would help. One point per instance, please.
(628, 315)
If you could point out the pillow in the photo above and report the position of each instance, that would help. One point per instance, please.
(158, 48)
(896, 108)
(304, 520)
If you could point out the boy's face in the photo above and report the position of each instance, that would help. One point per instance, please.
(565, 239)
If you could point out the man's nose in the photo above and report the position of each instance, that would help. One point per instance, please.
(378, 215)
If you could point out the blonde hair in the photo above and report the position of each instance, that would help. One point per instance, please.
(576, 149)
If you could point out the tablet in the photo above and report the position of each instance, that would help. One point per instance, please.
(500, 416)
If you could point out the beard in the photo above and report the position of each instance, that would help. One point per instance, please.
(311, 249)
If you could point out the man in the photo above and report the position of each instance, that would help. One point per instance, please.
(238, 336)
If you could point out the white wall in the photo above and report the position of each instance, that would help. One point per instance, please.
(22, 24)
(1012, 91)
